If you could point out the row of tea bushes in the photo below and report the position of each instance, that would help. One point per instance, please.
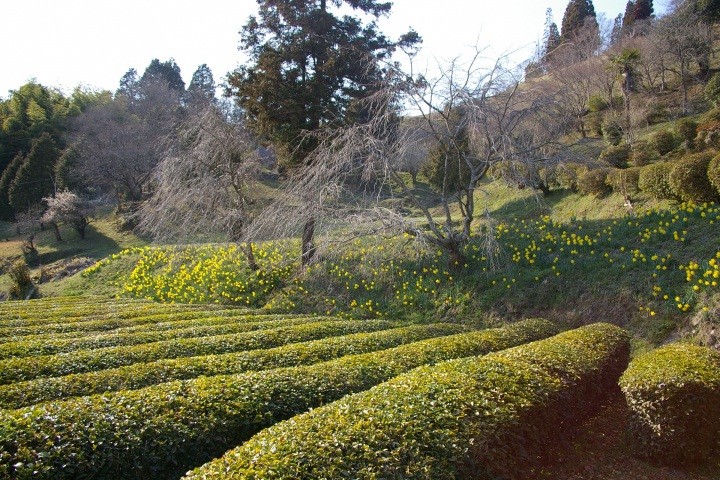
(139, 375)
(673, 394)
(461, 419)
(162, 431)
(34, 346)
(71, 309)
(104, 323)
(169, 321)
(80, 361)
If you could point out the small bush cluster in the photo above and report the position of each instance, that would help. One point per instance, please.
(483, 417)
(22, 287)
(593, 182)
(616, 155)
(689, 179)
(662, 141)
(642, 154)
(712, 90)
(624, 181)
(162, 430)
(655, 181)
(714, 173)
(686, 129)
(674, 398)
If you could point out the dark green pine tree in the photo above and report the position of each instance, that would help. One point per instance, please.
(629, 17)
(446, 168)
(577, 14)
(167, 72)
(202, 85)
(710, 9)
(6, 211)
(551, 36)
(35, 177)
(309, 62)
(643, 9)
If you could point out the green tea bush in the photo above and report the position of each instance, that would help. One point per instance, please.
(79, 361)
(689, 179)
(624, 181)
(662, 141)
(673, 394)
(616, 155)
(162, 431)
(485, 417)
(140, 375)
(712, 90)
(714, 173)
(34, 346)
(593, 182)
(655, 181)
(642, 154)
(686, 129)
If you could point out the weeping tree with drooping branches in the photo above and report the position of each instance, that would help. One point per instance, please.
(475, 115)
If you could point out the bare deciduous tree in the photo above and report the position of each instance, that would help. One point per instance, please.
(120, 143)
(202, 185)
(478, 114)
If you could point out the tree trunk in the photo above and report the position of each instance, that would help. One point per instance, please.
(56, 230)
(250, 256)
(308, 248)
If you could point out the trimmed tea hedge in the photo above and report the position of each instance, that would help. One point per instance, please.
(674, 398)
(470, 418)
(161, 431)
(79, 361)
(34, 346)
(21, 394)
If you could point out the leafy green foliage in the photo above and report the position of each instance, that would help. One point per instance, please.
(714, 172)
(689, 178)
(593, 182)
(87, 360)
(161, 431)
(662, 141)
(307, 66)
(686, 129)
(616, 155)
(674, 398)
(139, 375)
(484, 417)
(22, 285)
(624, 180)
(655, 181)
(34, 179)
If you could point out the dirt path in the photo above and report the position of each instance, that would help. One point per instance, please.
(601, 452)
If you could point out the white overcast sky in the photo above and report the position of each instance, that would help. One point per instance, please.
(65, 43)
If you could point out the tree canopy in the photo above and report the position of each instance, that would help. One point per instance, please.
(307, 66)
(577, 15)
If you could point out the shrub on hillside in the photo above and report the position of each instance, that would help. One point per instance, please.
(686, 129)
(674, 398)
(662, 141)
(597, 103)
(566, 175)
(654, 180)
(616, 155)
(642, 154)
(689, 179)
(22, 287)
(593, 182)
(714, 173)
(624, 180)
(612, 132)
(712, 90)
